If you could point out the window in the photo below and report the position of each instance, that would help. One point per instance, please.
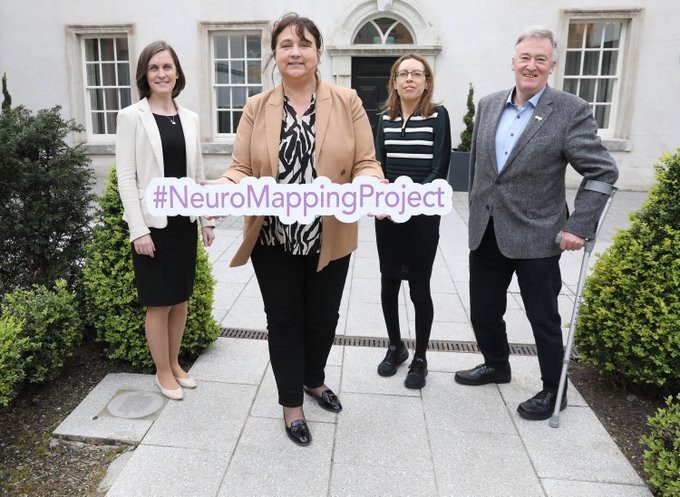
(598, 62)
(236, 75)
(106, 76)
(383, 31)
(592, 66)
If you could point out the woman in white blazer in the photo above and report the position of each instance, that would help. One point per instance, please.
(157, 137)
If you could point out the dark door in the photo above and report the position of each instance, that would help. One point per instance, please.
(370, 77)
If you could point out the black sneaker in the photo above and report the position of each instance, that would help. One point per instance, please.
(417, 372)
(394, 357)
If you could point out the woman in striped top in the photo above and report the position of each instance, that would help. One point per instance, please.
(413, 139)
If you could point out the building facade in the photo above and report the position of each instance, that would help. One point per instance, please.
(623, 58)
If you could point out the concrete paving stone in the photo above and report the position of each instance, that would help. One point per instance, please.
(218, 314)
(366, 291)
(239, 274)
(518, 300)
(514, 285)
(341, 328)
(215, 254)
(580, 449)
(335, 357)
(526, 382)
(368, 480)
(85, 424)
(482, 465)
(448, 307)
(366, 248)
(441, 281)
(463, 291)
(381, 430)
(450, 362)
(226, 293)
(266, 403)
(569, 488)
(248, 313)
(517, 327)
(462, 408)
(366, 320)
(252, 289)
(452, 331)
(459, 270)
(360, 374)
(210, 417)
(267, 463)
(366, 267)
(170, 472)
(232, 360)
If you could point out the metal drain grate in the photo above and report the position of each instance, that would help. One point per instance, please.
(526, 349)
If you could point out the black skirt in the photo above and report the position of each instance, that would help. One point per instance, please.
(407, 250)
(167, 278)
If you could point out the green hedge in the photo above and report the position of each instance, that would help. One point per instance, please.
(111, 294)
(12, 345)
(40, 329)
(662, 459)
(629, 326)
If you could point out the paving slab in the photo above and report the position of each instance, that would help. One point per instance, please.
(85, 424)
(366, 319)
(580, 449)
(482, 465)
(381, 430)
(248, 313)
(266, 463)
(360, 374)
(371, 480)
(170, 472)
(569, 488)
(447, 330)
(457, 408)
(267, 404)
(210, 417)
(232, 360)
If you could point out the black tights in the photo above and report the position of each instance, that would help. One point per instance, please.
(422, 301)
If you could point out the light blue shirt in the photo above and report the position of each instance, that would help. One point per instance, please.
(511, 125)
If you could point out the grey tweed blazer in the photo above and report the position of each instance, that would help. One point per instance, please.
(527, 199)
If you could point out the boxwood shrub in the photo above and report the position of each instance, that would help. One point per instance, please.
(49, 329)
(111, 295)
(12, 345)
(662, 459)
(629, 326)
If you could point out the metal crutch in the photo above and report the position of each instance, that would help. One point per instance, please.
(606, 189)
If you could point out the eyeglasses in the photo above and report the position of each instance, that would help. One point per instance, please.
(414, 74)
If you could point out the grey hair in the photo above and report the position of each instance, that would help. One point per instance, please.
(539, 33)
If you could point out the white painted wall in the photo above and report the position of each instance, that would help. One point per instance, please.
(477, 37)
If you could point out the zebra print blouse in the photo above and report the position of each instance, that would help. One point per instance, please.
(296, 165)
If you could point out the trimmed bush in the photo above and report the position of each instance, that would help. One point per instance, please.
(629, 325)
(44, 199)
(12, 346)
(50, 324)
(662, 460)
(469, 121)
(111, 294)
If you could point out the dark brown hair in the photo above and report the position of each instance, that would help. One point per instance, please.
(426, 106)
(299, 24)
(143, 65)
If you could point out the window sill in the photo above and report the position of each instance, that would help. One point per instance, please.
(216, 148)
(617, 144)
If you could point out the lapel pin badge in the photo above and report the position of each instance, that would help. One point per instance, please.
(538, 118)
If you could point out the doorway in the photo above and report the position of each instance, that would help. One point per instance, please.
(370, 77)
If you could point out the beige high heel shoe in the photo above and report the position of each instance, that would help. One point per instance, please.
(176, 394)
(187, 382)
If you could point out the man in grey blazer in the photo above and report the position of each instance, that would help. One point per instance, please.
(522, 142)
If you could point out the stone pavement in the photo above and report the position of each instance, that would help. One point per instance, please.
(226, 438)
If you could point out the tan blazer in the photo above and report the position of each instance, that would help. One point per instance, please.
(344, 150)
(139, 159)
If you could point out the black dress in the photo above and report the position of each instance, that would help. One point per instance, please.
(168, 277)
(419, 148)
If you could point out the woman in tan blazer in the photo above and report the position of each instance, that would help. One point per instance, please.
(301, 129)
(158, 137)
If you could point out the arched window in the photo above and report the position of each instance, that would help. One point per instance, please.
(383, 31)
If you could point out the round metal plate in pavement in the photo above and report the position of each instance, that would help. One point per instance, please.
(134, 405)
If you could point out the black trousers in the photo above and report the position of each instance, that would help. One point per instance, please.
(302, 312)
(539, 283)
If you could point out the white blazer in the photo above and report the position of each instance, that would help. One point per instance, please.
(139, 159)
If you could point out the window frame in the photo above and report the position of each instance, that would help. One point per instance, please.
(75, 36)
(209, 127)
(620, 117)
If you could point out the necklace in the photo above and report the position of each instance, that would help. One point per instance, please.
(172, 119)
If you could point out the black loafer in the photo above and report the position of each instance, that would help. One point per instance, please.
(299, 432)
(541, 405)
(394, 357)
(483, 374)
(417, 372)
(327, 400)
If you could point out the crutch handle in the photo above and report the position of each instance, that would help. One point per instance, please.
(558, 238)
